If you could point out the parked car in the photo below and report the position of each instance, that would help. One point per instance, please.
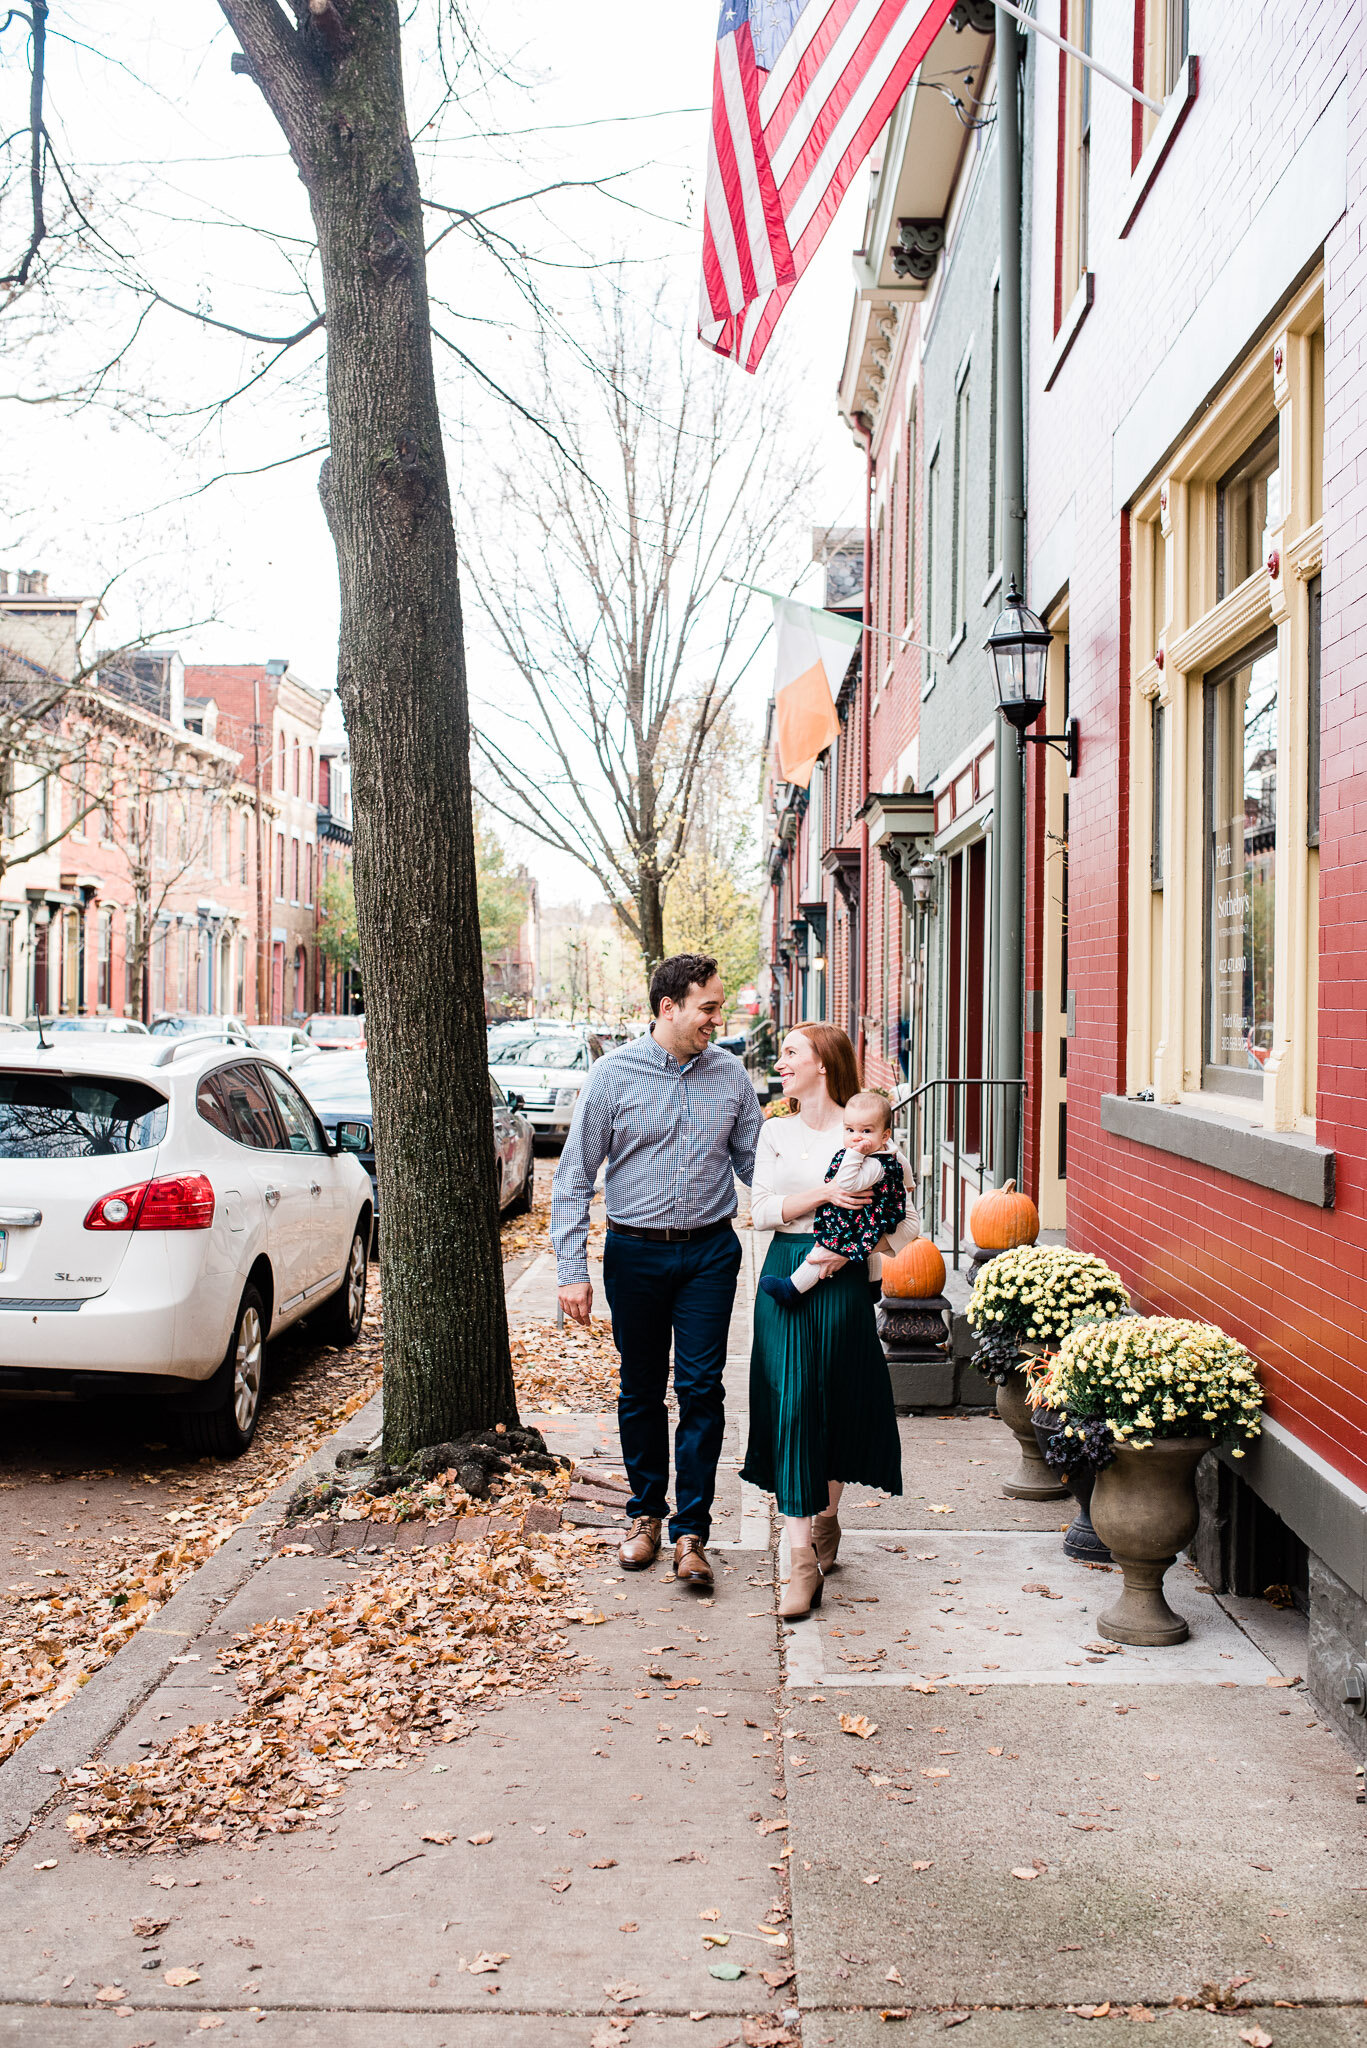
(332, 1033)
(285, 1043)
(547, 1068)
(338, 1086)
(186, 1024)
(165, 1208)
(116, 1027)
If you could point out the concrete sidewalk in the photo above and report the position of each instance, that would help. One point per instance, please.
(1035, 1824)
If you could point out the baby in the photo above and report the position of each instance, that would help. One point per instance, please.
(867, 1164)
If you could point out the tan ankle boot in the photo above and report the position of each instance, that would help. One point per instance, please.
(826, 1538)
(804, 1588)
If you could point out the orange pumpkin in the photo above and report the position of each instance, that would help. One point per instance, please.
(1004, 1219)
(914, 1273)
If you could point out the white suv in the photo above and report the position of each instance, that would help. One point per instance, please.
(165, 1207)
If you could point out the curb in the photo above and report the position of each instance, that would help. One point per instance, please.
(31, 1780)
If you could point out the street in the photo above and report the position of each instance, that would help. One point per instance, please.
(943, 1802)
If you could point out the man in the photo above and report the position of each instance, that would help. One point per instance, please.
(676, 1120)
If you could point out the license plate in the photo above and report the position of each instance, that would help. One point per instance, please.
(4, 1240)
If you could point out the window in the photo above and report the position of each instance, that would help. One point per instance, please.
(310, 780)
(1156, 844)
(1247, 506)
(104, 977)
(303, 1132)
(879, 652)
(243, 864)
(324, 783)
(6, 965)
(294, 871)
(958, 567)
(932, 536)
(63, 1116)
(296, 767)
(234, 1100)
(1241, 869)
(308, 872)
(911, 521)
(1075, 154)
(994, 510)
(1312, 707)
(1224, 879)
(280, 765)
(280, 867)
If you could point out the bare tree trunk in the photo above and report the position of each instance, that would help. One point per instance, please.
(336, 87)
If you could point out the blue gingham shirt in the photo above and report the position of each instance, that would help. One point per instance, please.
(674, 1139)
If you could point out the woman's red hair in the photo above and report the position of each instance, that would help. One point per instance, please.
(833, 1048)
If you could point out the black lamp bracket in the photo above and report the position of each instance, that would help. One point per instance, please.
(1068, 742)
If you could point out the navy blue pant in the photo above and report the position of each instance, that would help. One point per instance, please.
(683, 1292)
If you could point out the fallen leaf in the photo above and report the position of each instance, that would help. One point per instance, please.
(1092, 2012)
(922, 1866)
(629, 1927)
(997, 1751)
(698, 1735)
(955, 2019)
(179, 1977)
(894, 1976)
(728, 1972)
(147, 1929)
(478, 1841)
(560, 1884)
(941, 1511)
(603, 1863)
(208, 2021)
(710, 1913)
(167, 1884)
(1256, 2037)
(620, 1993)
(590, 1618)
(50, 1864)
(1140, 2012)
(858, 1724)
(716, 1941)
(111, 1994)
(875, 1877)
(936, 1773)
(486, 1961)
(894, 2012)
(1025, 1876)
(439, 1835)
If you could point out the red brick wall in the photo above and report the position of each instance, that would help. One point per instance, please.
(1288, 1279)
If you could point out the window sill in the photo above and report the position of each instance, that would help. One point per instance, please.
(957, 642)
(1068, 329)
(1284, 1161)
(1175, 109)
(928, 685)
(992, 585)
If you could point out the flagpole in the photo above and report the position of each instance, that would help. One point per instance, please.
(1071, 50)
(898, 639)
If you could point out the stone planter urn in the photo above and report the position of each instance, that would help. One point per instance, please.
(1032, 1478)
(1081, 1541)
(1144, 1509)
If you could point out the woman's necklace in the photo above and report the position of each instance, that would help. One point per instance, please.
(809, 1132)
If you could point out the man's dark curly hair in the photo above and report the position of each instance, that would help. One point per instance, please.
(677, 975)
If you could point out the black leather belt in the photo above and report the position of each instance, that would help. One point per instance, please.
(669, 1236)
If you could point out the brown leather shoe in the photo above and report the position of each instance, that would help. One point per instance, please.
(640, 1547)
(690, 1564)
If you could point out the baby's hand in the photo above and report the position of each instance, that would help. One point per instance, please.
(829, 1261)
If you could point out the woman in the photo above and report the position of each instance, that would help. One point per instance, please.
(821, 1412)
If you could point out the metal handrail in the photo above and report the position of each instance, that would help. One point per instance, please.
(917, 1150)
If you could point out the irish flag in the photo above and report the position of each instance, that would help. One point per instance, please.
(814, 649)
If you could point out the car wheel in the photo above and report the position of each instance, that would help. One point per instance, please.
(522, 1201)
(225, 1429)
(339, 1320)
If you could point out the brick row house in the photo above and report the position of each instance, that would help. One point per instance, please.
(1194, 988)
(141, 797)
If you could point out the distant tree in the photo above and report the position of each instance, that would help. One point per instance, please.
(618, 594)
(337, 939)
(713, 903)
(502, 892)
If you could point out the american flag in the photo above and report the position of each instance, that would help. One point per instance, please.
(801, 91)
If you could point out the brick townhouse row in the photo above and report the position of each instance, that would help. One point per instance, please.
(206, 803)
(1195, 978)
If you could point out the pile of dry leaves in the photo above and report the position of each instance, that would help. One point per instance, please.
(532, 1233)
(559, 1370)
(53, 1638)
(392, 1662)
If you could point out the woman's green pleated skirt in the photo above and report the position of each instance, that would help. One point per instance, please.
(820, 1396)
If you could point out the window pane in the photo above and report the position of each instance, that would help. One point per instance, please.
(1241, 804)
(1248, 504)
(60, 1116)
(302, 1130)
(249, 1112)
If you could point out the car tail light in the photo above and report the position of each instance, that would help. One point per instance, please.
(182, 1201)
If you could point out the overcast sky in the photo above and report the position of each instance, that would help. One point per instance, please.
(186, 171)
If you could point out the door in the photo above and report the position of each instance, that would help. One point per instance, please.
(505, 1142)
(324, 1225)
(281, 1178)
